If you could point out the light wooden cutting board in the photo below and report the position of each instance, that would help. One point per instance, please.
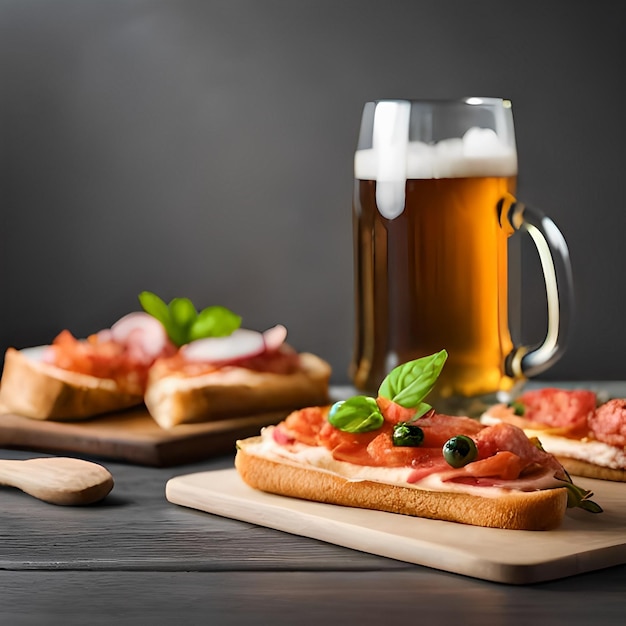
(583, 543)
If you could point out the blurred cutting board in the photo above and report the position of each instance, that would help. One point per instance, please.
(583, 543)
(132, 436)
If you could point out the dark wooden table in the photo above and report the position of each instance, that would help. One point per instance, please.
(135, 558)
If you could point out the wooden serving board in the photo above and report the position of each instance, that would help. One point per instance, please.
(132, 436)
(583, 543)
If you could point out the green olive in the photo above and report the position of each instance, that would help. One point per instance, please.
(459, 451)
(405, 434)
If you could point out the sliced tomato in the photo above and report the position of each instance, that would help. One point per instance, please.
(305, 424)
(351, 447)
(310, 426)
(504, 451)
(384, 453)
(393, 412)
(101, 359)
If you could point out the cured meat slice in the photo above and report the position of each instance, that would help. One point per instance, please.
(608, 423)
(559, 408)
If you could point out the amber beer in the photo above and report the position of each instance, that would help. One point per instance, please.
(434, 277)
(434, 213)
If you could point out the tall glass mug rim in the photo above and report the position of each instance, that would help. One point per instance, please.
(390, 125)
(469, 100)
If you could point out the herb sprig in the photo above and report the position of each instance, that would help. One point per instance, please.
(183, 323)
(579, 497)
(576, 496)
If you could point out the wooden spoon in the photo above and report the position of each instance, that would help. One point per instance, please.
(58, 480)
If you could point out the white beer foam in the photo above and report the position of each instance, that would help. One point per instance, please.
(479, 153)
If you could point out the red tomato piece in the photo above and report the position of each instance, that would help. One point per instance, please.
(351, 447)
(305, 424)
(504, 451)
(393, 412)
(102, 359)
(384, 453)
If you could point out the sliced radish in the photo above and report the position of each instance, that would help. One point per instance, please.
(142, 333)
(275, 337)
(241, 344)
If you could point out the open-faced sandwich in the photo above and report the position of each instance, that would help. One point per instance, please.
(187, 366)
(587, 436)
(395, 453)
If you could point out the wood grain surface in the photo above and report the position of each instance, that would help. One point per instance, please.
(132, 436)
(136, 558)
(305, 598)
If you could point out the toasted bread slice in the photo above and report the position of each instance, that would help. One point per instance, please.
(577, 467)
(580, 456)
(39, 390)
(234, 391)
(535, 510)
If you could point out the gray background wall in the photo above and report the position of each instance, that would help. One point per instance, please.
(204, 148)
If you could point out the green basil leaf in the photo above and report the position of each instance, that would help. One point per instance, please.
(155, 306)
(422, 409)
(152, 304)
(184, 324)
(409, 383)
(183, 312)
(214, 321)
(359, 414)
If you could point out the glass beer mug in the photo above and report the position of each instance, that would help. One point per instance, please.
(434, 215)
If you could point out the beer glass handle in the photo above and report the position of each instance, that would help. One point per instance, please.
(554, 257)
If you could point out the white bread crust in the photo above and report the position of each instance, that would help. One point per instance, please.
(39, 390)
(586, 469)
(234, 391)
(536, 510)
